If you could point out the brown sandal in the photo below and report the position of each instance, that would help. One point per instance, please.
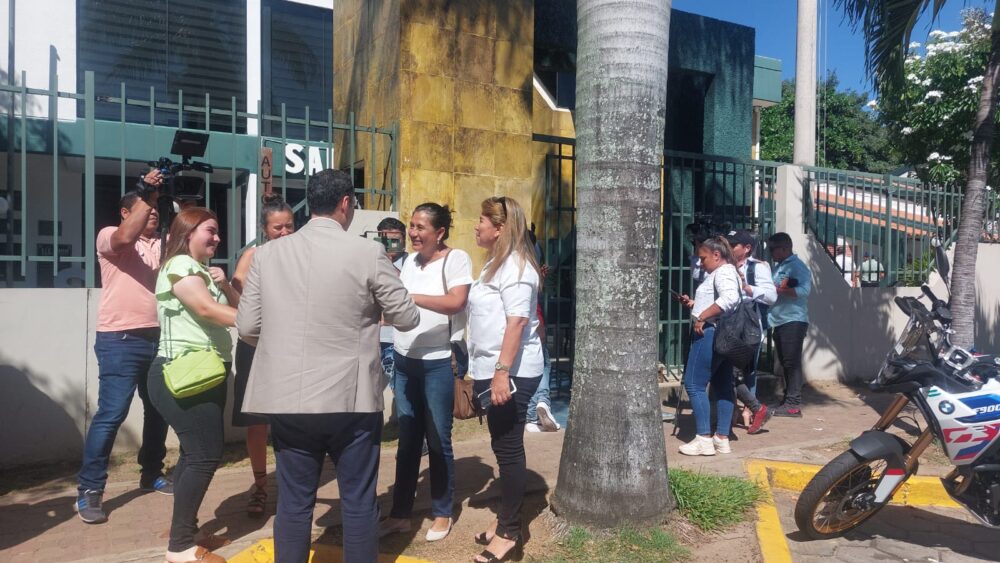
(257, 505)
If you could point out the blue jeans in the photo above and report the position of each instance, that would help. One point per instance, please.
(542, 393)
(701, 370)
(425, 397)
(123, 361)
(301, 442)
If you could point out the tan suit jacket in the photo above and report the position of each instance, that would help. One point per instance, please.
(311, 304)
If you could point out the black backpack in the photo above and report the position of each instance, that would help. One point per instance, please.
(738, 334)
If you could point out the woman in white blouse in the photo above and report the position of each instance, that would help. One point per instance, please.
(505, 358)
(717, 295)
(438, 279)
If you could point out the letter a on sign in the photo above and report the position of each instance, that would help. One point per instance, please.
(266, 156)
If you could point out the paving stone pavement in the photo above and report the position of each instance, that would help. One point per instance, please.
(40, 524)
(896, 533)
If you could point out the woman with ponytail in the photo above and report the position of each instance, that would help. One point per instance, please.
(438, 279)
(505, 358)
(718, 295)
(278, 221)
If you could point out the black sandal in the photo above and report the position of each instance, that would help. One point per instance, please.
(515, 553)
(482, 539)
(257, 506)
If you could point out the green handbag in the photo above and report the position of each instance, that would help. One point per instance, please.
(194, 372)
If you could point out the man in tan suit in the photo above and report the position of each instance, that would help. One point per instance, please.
(312, 303)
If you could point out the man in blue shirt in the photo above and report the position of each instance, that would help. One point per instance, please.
(789, 317)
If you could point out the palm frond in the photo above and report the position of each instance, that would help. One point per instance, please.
(886, 26)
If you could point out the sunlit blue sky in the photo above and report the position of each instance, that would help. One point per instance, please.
(841, 49)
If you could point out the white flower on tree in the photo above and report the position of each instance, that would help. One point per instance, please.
(933, 95)
(907, 130)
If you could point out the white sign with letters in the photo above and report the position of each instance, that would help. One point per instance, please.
(297, 156)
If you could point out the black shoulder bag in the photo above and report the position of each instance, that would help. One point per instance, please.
(738, 334)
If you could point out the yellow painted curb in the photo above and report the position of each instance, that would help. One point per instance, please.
(773, 547)
(916, 491)
(263, 552)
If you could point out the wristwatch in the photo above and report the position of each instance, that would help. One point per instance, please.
(501, 367)
(696, 319)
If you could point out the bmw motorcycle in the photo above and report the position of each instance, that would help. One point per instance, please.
(958, 395)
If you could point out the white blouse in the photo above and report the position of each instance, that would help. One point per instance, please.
(721, 287)
(431, 339)
(512, 292)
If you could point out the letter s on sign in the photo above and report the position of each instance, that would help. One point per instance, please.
(294, 164)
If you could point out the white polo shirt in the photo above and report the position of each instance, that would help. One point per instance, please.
(512, 292)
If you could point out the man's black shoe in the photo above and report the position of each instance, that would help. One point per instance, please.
(788, 411)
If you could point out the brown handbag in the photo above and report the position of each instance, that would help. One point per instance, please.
(465, 407)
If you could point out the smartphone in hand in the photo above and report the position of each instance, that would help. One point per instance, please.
(485, 399)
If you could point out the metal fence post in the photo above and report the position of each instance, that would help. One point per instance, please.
(886, 225)
(88, 175)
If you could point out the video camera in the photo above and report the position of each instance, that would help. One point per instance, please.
(177, 189)
(392, 245)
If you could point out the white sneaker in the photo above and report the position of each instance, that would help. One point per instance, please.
(721, 445)
(701, 445)
(532, 427)
(545, 418)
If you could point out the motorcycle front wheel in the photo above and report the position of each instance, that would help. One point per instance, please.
(840, 497)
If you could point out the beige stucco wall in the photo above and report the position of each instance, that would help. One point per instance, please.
(457, 78)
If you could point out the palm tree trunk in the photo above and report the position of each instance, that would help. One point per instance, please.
(970, 226)
(613, 469)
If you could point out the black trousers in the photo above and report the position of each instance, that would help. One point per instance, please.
(199, 425)
(788, 339)
(506, 424)
(301, 442)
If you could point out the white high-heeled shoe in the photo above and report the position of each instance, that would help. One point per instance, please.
(435, 535)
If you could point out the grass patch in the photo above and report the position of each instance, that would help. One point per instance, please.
(712, 502)
(654, 545)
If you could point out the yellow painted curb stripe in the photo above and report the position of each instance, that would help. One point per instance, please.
(916, 491)
(770, 536)
(263, 552)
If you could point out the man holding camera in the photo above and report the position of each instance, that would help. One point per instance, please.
(789, 317)
(127, 337)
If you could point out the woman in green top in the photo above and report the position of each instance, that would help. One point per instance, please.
(195, 305)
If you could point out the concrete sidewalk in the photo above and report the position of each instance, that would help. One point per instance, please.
(40, 524)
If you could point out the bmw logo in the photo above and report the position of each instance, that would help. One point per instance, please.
(946, 407)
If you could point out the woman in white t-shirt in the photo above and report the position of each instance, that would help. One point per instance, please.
(505, 357)
(718, 295)
(438, 280)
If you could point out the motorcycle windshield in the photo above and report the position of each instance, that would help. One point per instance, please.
(912, 346)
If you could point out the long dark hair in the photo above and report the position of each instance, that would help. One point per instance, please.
(183, 225)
